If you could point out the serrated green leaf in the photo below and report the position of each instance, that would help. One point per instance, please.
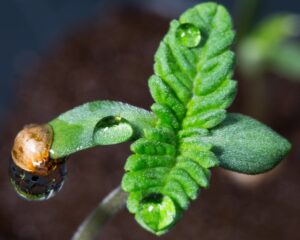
(97, 123)
(191, 88)
(245, 145)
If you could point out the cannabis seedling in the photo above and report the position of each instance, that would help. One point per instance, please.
(187, 132)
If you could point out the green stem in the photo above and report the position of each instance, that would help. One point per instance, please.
(108, 207)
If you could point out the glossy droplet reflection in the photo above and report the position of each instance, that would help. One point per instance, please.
(157, 213)
(188, 35)
(112, 130)
(37, 187)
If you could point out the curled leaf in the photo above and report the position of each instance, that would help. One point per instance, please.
(97, 123)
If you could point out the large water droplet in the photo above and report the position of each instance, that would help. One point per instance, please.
(188, 35)
(36, 187)
(157, 213)
(112, 130)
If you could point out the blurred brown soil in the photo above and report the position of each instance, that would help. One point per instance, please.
(112, 58)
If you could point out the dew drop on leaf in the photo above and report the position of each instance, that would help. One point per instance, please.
(157, 213)
(188, 35)
(37, 187)
(112, 130)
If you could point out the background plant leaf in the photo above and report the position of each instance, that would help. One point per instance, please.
(285, 61)
(270, 45)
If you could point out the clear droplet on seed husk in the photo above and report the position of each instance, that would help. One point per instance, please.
(37, 187)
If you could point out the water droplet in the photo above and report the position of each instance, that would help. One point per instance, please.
(157, 213)
(37, 187)
(188, 34)
(112, 130)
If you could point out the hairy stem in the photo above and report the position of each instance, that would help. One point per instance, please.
(109, 206)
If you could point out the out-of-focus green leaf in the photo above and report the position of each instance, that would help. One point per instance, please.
(258, 48)
(286, 61)
(245, 145)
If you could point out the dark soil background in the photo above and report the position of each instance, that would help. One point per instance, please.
(112, 59)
